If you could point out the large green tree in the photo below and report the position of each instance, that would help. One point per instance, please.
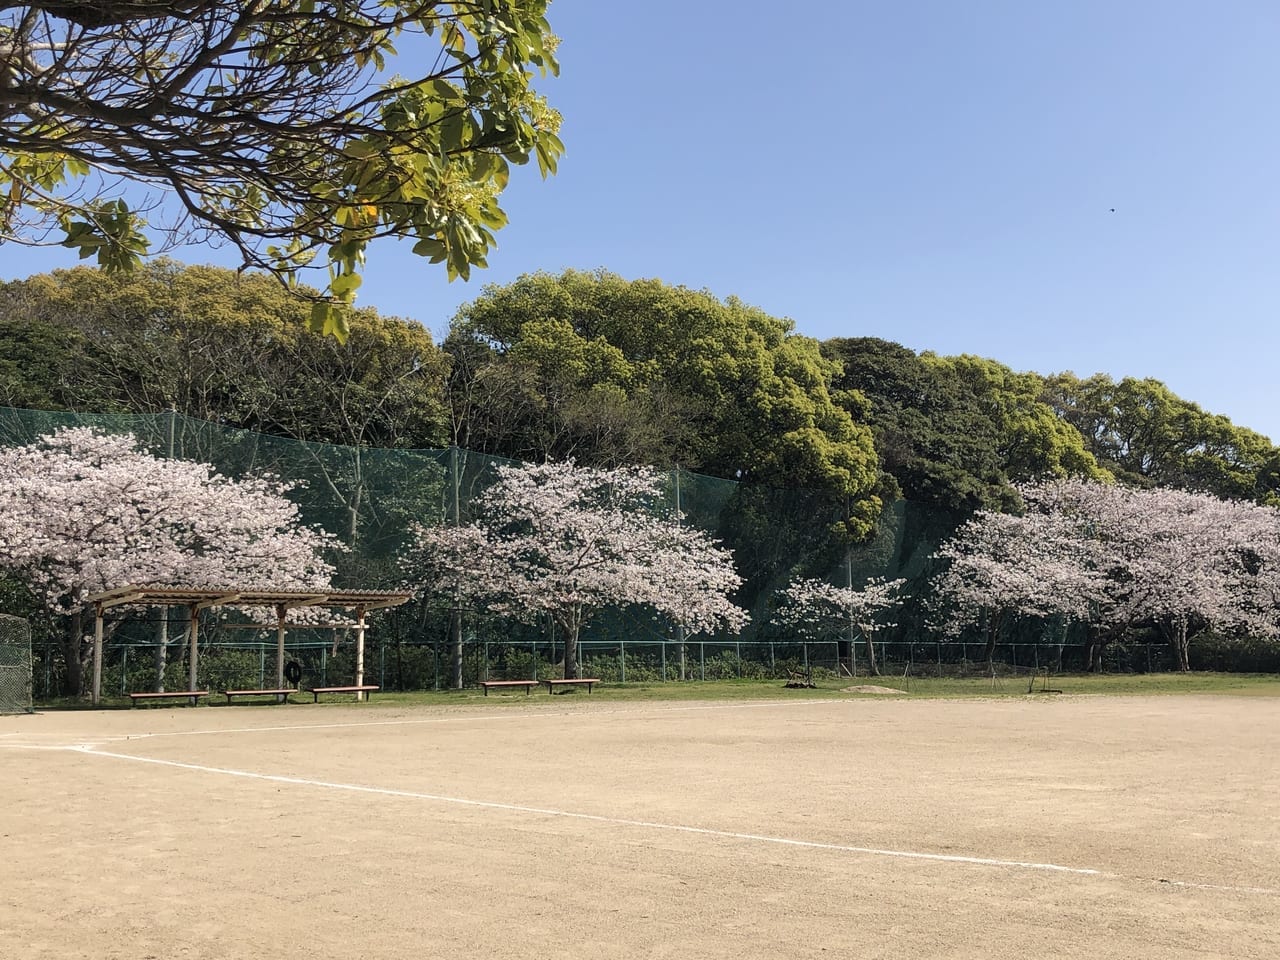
(955, 432)
(1149, 436)
(608, 370)
(289, 130)
(220, 346)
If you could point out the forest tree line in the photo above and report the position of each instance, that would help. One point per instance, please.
(607, 371)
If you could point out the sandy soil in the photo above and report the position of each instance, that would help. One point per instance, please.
(576, 827)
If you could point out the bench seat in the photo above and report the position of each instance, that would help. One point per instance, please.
(587, 682)
(527, 684)
(364, 688)
(281, 694)
(192, 695)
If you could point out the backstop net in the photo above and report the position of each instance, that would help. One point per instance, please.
(15, 665)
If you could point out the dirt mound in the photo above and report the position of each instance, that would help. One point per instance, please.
(869, 688)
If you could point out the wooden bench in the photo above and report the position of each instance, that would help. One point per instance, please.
(588, 682)
(192, 695)
(527, 684)
(366, 688)
(281, 694)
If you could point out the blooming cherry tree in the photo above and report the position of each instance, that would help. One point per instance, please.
(815, 608)
(1115, 556)
(1004, 566)
(82, 512)
(566, 541)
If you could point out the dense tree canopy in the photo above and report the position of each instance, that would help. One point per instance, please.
(220, 346)
(1147, 435)
(610, 371)
(956, 431)
(274, 127)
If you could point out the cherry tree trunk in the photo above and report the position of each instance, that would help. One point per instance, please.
(72, 654)
(1183, 646)
(571, 652)
(873, 668)
(993, 635)
(455, 637)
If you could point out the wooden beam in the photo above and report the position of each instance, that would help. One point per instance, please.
(216, 602)
(360, 694)
(193, 665)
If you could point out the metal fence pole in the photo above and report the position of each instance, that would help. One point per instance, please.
(124, 670)
(622, 645)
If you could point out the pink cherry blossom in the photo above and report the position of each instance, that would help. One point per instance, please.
(566, 541)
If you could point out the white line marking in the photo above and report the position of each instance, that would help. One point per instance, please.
(90, 750)
(592, 817)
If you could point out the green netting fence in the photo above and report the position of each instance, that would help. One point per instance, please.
(369, 497)
(15, 665)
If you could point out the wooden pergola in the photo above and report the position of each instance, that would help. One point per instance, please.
(360, 602)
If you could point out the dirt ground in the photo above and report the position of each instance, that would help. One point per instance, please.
(575, 827)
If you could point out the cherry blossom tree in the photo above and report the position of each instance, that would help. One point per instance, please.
(82, 512)
(564, 541)
(1114, 557)
(1004, 566)
(1180, 560)
(816, 609)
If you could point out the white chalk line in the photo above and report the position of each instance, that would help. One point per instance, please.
(91, 750)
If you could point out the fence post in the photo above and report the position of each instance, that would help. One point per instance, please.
(262, 665)
(324, 665)
(702, 660)
(737, 652)
(622, 645)
(124, 669)
(662, 650)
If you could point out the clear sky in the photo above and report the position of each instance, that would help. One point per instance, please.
(1087, 186)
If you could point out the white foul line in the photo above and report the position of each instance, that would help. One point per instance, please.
(91, 750)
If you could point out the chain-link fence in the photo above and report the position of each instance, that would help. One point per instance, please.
(15, 665)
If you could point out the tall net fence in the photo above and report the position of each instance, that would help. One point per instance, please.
(15, 665)
(371, 497)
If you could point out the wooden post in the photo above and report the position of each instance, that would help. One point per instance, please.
(97, 653)
(193, 665)
(281, 610)
(360, 652)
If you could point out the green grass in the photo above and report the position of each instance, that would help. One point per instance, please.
(1153, 684)
(919, 688)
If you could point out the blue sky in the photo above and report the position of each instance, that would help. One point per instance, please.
(937, 173)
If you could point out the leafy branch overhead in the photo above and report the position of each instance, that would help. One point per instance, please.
(277, 127)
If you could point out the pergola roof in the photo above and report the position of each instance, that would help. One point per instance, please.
(204, 598)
